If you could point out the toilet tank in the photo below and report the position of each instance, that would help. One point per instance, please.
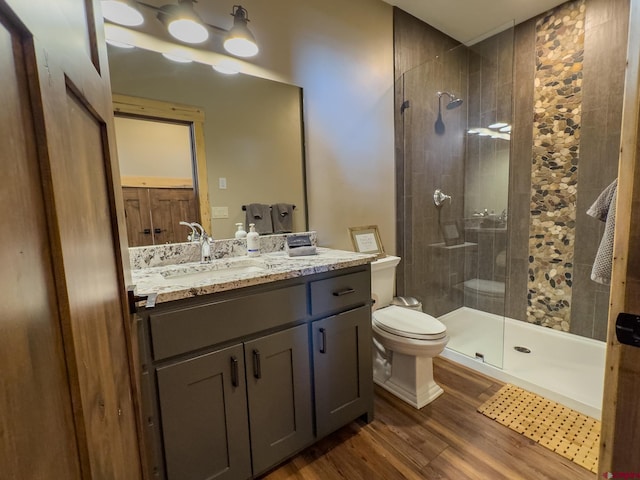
(383, 280)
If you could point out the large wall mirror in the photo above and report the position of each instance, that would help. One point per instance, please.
(251, 130)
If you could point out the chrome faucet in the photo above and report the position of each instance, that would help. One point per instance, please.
(198, 235)
(193, 236)
(205, 243)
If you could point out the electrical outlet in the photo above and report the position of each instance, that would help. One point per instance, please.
(219, 212)
(222, 183)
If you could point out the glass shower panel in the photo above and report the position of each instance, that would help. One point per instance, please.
(456, 153)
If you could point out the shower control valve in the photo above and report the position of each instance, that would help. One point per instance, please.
(439, 197)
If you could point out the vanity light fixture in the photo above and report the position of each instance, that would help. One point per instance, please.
(123, 12)
(240, 41)
(177, 56)
(183, 23)
(228, 67)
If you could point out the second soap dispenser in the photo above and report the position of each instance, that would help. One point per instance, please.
(253, 241)
(240, 232)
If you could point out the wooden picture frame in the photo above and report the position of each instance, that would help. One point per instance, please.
(366, 239)
(451, 233)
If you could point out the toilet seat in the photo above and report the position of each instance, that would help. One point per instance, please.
(406, 323)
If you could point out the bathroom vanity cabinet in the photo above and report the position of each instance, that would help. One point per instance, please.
(236, 382)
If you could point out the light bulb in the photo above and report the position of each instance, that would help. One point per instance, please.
(228, 67)
(188, 31)
(241, 47)
(177, 56)
(122, 13)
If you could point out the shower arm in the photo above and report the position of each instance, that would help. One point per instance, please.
(439, 197)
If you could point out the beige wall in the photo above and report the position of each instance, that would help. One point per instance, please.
(153, 149)
(252, 130)
(341, 54)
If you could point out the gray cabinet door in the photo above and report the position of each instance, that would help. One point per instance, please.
(279, 386)
(204, 417)
(342, 369)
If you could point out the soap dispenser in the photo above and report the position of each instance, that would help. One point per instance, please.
(253, 241)
(240, 231)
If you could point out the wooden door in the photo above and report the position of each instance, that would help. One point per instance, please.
(342, 368)
(66, 402)
(38, 439)
(279, 392)
(620, 439)
(154, 214)
(204, 417)
(170, 206)
(138, 214)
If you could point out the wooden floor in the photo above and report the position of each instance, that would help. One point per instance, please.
(447, 439)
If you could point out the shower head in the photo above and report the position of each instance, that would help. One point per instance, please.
(454, 104)
(454, 101)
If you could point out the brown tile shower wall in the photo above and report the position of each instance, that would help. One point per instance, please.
(605, 48)
(417, 171)
(605, 34)
(487, 163)
(430, 62)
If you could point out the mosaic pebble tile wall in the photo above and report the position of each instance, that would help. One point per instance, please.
(554, 171)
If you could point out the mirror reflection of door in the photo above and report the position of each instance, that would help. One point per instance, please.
(155, 166)
(158, 170)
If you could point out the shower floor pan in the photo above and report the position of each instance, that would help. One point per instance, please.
(560, 366)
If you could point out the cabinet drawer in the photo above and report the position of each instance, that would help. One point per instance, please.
(191, 328)
(340, 293)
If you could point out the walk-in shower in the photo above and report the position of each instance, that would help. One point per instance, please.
(506, 263)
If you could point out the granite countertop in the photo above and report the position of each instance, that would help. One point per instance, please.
(185, 280)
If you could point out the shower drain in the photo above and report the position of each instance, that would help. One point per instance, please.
(522, 349)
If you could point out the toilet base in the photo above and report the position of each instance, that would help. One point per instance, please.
(411, 379)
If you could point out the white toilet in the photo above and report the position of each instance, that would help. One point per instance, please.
(405, 341)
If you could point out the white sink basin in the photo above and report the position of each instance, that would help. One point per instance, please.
(218, 270)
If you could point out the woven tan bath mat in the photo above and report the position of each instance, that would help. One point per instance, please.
(565, 431)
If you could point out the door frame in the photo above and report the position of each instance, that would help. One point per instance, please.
(620, 436)
(130, 106)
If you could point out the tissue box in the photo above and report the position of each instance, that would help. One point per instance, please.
(299, 245)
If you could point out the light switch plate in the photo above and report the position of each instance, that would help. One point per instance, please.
(219, 212)
(222, 183)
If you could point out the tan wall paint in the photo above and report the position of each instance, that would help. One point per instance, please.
(153, 149)
(252, 131)
(266, 169)
(341, 54)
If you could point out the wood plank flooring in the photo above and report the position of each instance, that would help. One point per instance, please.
(447, 439)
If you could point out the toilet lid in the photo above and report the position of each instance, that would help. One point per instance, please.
(409, 323)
